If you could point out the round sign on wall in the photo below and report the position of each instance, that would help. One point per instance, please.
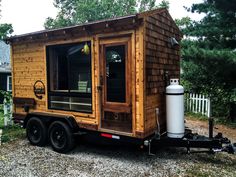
(39, 89)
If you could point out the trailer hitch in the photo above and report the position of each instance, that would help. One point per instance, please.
(190, 140)
(231, 148)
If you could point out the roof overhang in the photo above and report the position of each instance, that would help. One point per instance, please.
(87, 29)
(119, 23)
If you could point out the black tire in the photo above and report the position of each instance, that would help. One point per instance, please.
(36, 131)
(61, 137)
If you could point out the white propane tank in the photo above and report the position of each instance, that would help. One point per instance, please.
(175, 109)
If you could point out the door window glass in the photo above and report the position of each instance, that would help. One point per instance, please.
(115, 73)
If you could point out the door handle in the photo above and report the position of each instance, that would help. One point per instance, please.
(99, 88)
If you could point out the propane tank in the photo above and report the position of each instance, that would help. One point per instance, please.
(175, 109)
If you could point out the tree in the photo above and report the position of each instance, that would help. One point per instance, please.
(73, 12)
(5, 29)
(208, 52)
(164, 4)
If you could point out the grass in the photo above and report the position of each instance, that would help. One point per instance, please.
(217, 120)
(12, 132)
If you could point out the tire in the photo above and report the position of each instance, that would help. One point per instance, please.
(61, 137)
(36, 131)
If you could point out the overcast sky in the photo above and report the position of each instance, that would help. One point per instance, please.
(29, 15)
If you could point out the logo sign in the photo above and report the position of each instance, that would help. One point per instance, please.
(39, 89)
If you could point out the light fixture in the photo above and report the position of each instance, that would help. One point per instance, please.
(173, 42)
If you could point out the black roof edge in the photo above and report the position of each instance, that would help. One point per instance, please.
(9, 39)
(136, 16)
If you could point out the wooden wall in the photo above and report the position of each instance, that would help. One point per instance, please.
(160, 57)
(29, 65)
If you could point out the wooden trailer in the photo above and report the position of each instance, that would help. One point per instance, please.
(106, 76)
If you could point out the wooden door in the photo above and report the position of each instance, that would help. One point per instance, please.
(115, 80)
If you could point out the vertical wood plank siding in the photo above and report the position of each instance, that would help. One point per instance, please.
(28, 61)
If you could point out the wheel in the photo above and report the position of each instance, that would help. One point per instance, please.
(61, 137)
(36, 131)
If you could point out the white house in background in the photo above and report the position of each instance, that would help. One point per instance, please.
(5, 68)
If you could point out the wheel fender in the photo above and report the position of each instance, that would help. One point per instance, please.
(48, 118)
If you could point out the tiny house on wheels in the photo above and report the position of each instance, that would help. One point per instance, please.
(106, 77)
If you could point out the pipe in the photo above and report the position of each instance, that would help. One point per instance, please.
(158, 123)
(211, 125)
(210, 120)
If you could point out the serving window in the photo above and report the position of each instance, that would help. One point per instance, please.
(69, 77)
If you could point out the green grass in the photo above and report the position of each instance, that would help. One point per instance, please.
(217, 120)
(12, 132)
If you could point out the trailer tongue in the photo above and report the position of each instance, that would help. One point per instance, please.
(190, 140)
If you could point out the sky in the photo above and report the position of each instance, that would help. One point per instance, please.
(29, 15)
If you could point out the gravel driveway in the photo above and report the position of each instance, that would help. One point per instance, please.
(20, 159)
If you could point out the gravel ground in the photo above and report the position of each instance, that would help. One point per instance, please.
(20, 159)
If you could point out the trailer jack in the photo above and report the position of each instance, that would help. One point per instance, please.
(148, 143)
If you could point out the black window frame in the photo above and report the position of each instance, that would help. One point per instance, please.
(69, 93)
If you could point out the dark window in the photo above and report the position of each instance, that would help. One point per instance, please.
(69, 75)
(115, 73)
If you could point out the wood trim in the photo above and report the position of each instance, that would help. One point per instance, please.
(73, 41)
(92, 28)
(93, 81)
(78, 115)
(24, 101)
(143, 73)
(141, 79)
(97, 80)
(101, 80)
(118, 108)
(113, 41)
(133, 79)
(128, 76)
(45, 98)
(116, 132)
(108, 36)
(88, 126)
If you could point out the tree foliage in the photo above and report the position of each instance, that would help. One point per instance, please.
(5, 28)
(208, 52)
(73, 12)
(164, 4)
